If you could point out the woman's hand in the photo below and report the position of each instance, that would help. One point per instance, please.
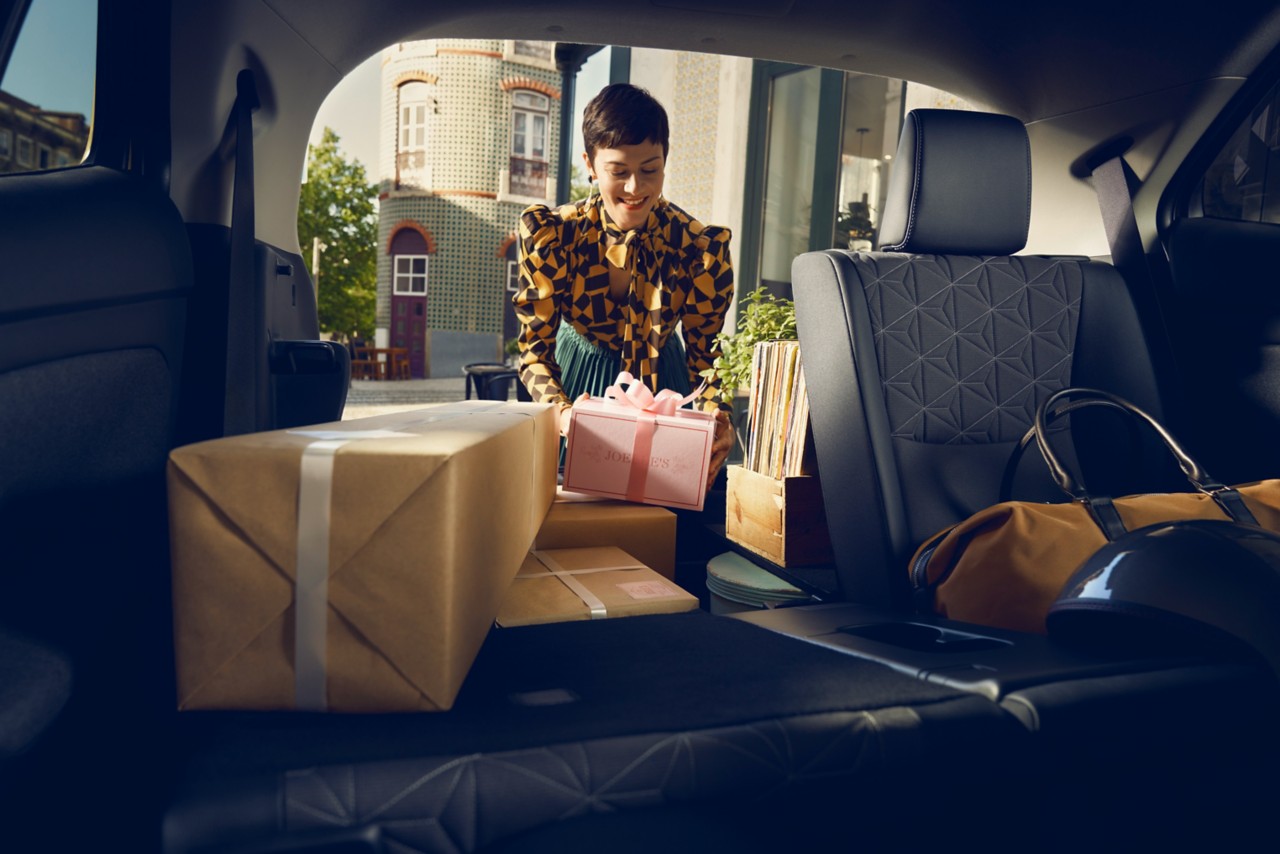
(721, 447)
(566, 412)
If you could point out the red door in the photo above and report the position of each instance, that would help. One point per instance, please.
(409, 329)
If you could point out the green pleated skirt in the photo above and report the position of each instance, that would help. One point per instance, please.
(586, 368)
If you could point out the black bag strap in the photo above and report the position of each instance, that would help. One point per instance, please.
(1100, 507)
(244, 403)
(1028, 439)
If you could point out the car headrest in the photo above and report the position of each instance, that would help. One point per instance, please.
(961, 185)
(1184, 586)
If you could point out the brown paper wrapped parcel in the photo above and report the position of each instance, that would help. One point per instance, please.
(560, 585)
(354, 566)
(645, 532)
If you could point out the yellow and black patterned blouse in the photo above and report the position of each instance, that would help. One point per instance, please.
(680, 274)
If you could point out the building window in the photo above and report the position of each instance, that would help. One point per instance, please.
(411, 150)
(26, 151)
(411, 275)
(63, 159)
(46, 157)
(513, 276)
(6, 143)
(530, 120)
(533, 50)
(540, 54)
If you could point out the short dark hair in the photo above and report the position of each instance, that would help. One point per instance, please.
(622, 114)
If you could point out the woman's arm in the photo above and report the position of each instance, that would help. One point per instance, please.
(710, 290)
(542, 265)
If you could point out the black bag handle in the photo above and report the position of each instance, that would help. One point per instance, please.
(1029, 438)
(1101, 506)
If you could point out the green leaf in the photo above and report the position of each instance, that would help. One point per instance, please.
(761, 317)
(337, 205)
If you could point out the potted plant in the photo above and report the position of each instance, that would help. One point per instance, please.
(762, 317)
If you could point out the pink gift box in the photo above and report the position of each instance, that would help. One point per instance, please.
(610, 439)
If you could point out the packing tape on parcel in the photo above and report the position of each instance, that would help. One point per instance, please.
(311, 573)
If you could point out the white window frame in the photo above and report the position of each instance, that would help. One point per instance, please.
(513, 276)
(529, 103)
(6, 144)
(29, 144)
(403, 282)
(540, 108)
(411, 117)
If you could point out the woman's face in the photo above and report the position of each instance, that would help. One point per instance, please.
(630, 181)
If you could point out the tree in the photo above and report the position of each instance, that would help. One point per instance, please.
(337, 207)
(579, 186)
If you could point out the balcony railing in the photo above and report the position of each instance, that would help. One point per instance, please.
(528, 178)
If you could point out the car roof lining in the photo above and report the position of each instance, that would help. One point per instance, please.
(1043, 61)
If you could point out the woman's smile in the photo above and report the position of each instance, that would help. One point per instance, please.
(630, 178)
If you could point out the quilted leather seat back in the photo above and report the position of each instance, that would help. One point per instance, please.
(925, 365)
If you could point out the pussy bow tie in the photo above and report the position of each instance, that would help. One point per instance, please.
(621, 254)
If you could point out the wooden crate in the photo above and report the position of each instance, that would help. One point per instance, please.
(781, 520)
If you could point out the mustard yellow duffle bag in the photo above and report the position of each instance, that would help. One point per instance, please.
(1005, 565)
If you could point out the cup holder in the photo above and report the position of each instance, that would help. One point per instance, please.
(922, 638)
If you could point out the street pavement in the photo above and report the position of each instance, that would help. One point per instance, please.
(378, 397)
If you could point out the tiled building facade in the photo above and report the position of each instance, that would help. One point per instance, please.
(469, 138)
(691, 175)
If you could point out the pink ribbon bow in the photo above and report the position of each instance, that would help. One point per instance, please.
(626, 389)
(629, 391)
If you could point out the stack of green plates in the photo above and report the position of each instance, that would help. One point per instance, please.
(737, 579)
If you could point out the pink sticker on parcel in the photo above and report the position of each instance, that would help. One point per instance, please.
(598, 458)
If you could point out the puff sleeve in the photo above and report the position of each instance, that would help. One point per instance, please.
(543, 270)
(709, 282)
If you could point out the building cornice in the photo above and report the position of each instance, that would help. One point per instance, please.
(459, 51)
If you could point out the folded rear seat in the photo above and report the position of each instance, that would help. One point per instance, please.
(672, 721)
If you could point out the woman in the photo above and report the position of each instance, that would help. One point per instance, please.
(607, 281)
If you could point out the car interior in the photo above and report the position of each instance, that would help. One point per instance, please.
(1114, 205)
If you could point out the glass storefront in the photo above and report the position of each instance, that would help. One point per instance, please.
(789, 174)
(829, 140)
